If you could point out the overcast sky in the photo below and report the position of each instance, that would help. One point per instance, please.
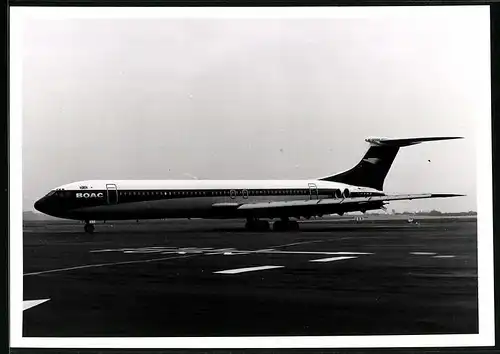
(254, 99)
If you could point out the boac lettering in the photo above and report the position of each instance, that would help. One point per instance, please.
(89, 195)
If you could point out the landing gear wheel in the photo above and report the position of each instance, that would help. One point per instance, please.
(293, 226)
(257, 225)
(263, 225)
(89, 228)
(281, 225)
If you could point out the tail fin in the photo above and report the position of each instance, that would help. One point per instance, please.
(373, 168)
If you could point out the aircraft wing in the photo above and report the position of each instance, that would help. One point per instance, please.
(349, 201)
(323, 206)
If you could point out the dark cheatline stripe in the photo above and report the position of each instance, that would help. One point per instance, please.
(87, 198)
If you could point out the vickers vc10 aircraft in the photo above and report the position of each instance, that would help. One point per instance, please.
(357, 189)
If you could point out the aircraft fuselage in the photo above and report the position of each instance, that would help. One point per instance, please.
(122, 200)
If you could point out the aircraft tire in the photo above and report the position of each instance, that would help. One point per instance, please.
(293, 226)
(89, 228)
(257, 225)
(278, 225)
(281, 225)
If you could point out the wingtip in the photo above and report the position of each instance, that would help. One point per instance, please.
(448, 195)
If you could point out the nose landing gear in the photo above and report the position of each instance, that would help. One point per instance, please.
(89, 227)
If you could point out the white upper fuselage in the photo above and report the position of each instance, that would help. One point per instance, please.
(210, 184)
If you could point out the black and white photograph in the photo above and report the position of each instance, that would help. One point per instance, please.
(259, 177)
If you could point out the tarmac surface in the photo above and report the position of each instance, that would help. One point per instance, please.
(213, 278)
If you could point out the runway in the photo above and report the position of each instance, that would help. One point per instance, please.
(213, 278)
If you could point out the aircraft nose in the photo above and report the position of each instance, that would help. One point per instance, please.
(41, 205)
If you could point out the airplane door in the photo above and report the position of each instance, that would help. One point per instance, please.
(112, 193)
(313, 191)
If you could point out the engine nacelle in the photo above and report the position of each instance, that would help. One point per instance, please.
(346, 193)
(338, 193)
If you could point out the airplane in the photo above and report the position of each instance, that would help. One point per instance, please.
(357, 189)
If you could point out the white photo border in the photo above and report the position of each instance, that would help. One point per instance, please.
(486, 313)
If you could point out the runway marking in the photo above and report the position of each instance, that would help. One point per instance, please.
(142, 251)
(299, 243)
(423, 253)
(312, 252)
(220, 251)
(243, 270)
(331, 259)
(444, 256)
(225, 251)
(32, 303)
(104, 265)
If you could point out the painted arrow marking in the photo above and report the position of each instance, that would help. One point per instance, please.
(243, 270)
(32, 303)
(333, 259)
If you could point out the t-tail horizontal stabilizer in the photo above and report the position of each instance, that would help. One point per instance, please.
(375, 164)
(406, 142)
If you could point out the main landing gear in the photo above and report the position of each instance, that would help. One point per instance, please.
(89, 227)
(285, 225)
(280, 225)
(257, 225)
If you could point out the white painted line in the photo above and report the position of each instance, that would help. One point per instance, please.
(313, 252)
(32, 303)
(444, 256)
(143, 251)
(331, 259)
(158, 248)
(423, 253)
(220, 251)
(243, 270)
(104, 265)
(299, 243)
